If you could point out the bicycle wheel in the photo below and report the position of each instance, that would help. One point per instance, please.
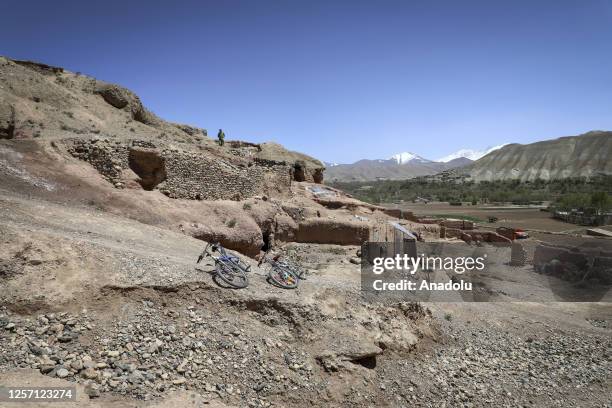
(297, 269)
(299, 272)
(232, 275)
(283, 277)
(240, 264)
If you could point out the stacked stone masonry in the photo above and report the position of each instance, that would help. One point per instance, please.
(183, 174)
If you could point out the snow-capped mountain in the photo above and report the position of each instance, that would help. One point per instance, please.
(469, 154)
(570, 156)
(407, 157)
(329, 164)
(402, 166)
(399, 166)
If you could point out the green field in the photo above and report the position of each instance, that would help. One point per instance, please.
(567, 192)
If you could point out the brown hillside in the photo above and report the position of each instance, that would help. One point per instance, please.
(572, 156)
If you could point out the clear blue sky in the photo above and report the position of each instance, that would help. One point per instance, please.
(341, 80)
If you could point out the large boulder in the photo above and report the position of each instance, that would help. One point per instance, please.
(122, 98)
(246, 240)
(116, 96)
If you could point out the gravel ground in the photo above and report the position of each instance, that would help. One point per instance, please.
(154, 326)
(487, 367)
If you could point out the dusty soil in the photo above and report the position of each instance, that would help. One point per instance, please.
(99, 288)
(128, 285)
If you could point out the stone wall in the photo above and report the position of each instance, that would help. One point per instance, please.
(109, 158)
(181, 173)
(302, 167)
(194, 176)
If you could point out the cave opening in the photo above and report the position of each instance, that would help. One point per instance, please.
(299, 172)
(267, 242)
(368, 362)
(149, 166)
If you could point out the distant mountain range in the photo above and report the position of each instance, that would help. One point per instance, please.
(400, 166)
(572, 156)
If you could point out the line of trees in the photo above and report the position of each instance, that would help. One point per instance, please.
(568, 193)
(596, 202)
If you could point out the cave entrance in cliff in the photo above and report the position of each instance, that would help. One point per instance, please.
(299, 172)
(367, 362)
(149, 166)
(267, 242)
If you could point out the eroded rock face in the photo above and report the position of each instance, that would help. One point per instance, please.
(191, 130)
(122, 98)
(40, 67)
(246, 239)
(299, 171)
(115, 96)
(149, 165)
(304, 168)
(7, 120)
(317, 175)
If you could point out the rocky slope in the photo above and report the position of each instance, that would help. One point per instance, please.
(105, 207)
(117, 307)
(572, 156)
(73, 137)
(41, 102)
(103, 210)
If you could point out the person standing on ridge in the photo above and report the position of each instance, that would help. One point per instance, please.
(221, 137)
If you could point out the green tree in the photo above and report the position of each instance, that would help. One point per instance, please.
(574, 200)
(601, 200)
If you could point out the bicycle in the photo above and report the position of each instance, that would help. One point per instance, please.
(299, 271)
(280, 274)
(229, 268)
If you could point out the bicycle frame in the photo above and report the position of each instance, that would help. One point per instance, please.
(224, 257)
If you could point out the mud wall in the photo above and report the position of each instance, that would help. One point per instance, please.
(573, 264)
(325, 231)
(469, 236)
